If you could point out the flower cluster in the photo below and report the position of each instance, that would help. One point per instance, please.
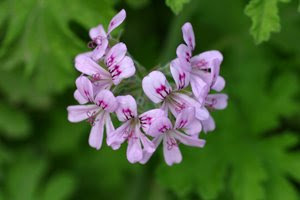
(109, 63)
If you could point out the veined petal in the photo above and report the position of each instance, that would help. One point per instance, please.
(97, 31)
(219, 84)
(85, 88)
(208, 124)
(106, 100)
(172, 153)
(180, 76)
(81, 112)
(148, 146)
(216, 101)
(100, 49)
(86, 65)
(115, 54)
(116, 20)
(81, 99)
(184, 54)
(180, 101)
(205, 60)
(146, 155)
(147, 118)
(188, 140)
(134, 150)
(184, 118)
(156, 86)
(96, 134)
(188, 35)
(117, 137)
(199, 87)
(159, 127)
(122, 70)
(127, 108)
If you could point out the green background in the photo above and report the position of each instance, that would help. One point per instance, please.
(252, 155)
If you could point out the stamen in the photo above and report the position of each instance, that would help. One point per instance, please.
(92, 118)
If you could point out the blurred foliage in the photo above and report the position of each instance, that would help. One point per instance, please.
(252, 155)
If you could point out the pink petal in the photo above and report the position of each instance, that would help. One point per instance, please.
(117, 137)
(115, 54)
(148, 146)
(188, 35)
(96, 134)
(85, 88)
(219, 84)
(184, 54)
(156, 86)
(159, 127)
(127, 108)
(116, 20)
(185, 117)
(188, 140)
(180, 76)
(86, 65)
(134, 150)
(172, 153)
(147, 118)
(106, 100)
(180, 102)
(80, 112)
(109, 125)
(100, 49)
(216, 101)
(122, 70)
(194, 128)
(97, 31)
(146, 155)
(205, 59)
(81, 99)
(208, 124)
(201, 113)
(199, 87)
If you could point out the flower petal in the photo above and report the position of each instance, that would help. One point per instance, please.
(180, 76)
(81, 99)
(219, 84)
(97, 31)
(156, 86)
(96, 134)
(117, 137)
(205, 60)
(208, 124)
(122, 70)
(134, 150)
(159, 127)
(147, 118)
(85, 88)
(172, 153)
(188, 35)
(100, 49)
(184, 54)
(216, 101)
(106, 100)
(115, 54)
(201, 113)
(184, 118)
(148, 146)
(180, 102)
(194, 128)
(116, 20)
(146, 155)
(188, 140)
(127, 108)
(109, 126)
(199, 87)
(81, 112)
(86, 65)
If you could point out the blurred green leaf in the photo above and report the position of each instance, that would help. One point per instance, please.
(176, 5)
(265, 18)
(60, 187)
(14, 123)
(137, 3)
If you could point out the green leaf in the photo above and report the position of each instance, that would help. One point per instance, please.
(176, 5)
(60, 187)
(14, 123)
(265, 18)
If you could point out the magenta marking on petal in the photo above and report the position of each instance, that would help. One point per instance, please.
(211, 103)
(110, 60)
(171, 142)
(129, 136)
(87, 94)
(145, 120)
(91, 117)
(164, 128)
(181, 80)
(162, 91)
(96, 77)
(128, 113)
(102, 104)
(115, 71)
(201, 63)
(182, 123)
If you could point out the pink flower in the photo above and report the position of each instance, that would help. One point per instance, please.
(130, 130)
(100, 37)
(158, 90)
(118, 64)
(162, 130)
(97, 114)
(204, 68)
